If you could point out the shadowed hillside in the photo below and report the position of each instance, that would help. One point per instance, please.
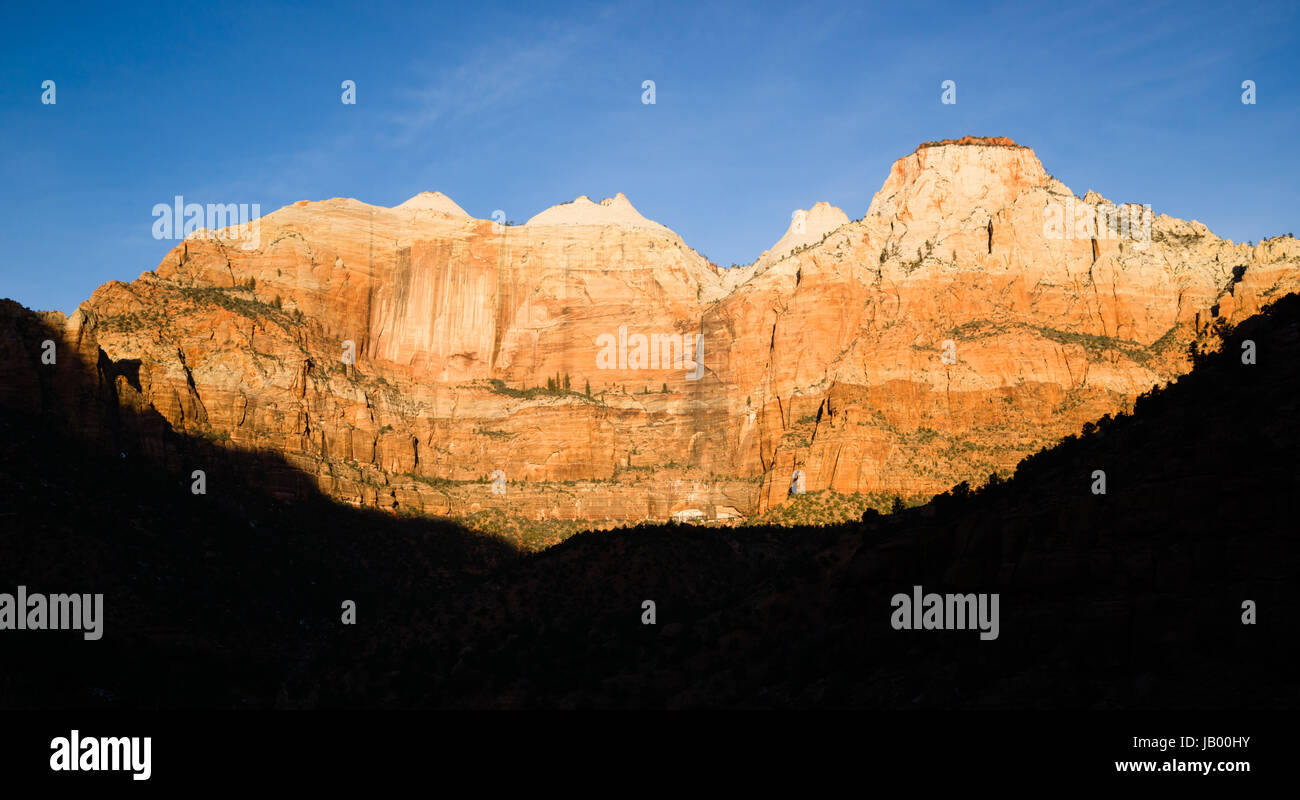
(1129, 599)
(229, 598)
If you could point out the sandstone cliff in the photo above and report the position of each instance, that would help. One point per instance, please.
(590, 365)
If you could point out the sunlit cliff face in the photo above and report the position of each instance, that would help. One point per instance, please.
(404, 355)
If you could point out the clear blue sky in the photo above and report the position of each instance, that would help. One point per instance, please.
(760, 110)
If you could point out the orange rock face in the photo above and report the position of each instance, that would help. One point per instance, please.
(591, 365)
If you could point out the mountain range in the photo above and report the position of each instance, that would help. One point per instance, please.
(590, 367)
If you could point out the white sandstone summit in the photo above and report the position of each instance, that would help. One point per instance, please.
(614, 210)
(437, 202)
(807, 227)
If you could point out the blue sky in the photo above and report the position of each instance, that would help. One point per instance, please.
(760, 109)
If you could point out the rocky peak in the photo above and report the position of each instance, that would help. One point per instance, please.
(941, 178)
(616, 210)
(807, 227)
(437, 202)
(948, 193)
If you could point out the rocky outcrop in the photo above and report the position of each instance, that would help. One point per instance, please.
(807, 228)
(589, 364)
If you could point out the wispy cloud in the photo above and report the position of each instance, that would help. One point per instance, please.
(493, 76)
